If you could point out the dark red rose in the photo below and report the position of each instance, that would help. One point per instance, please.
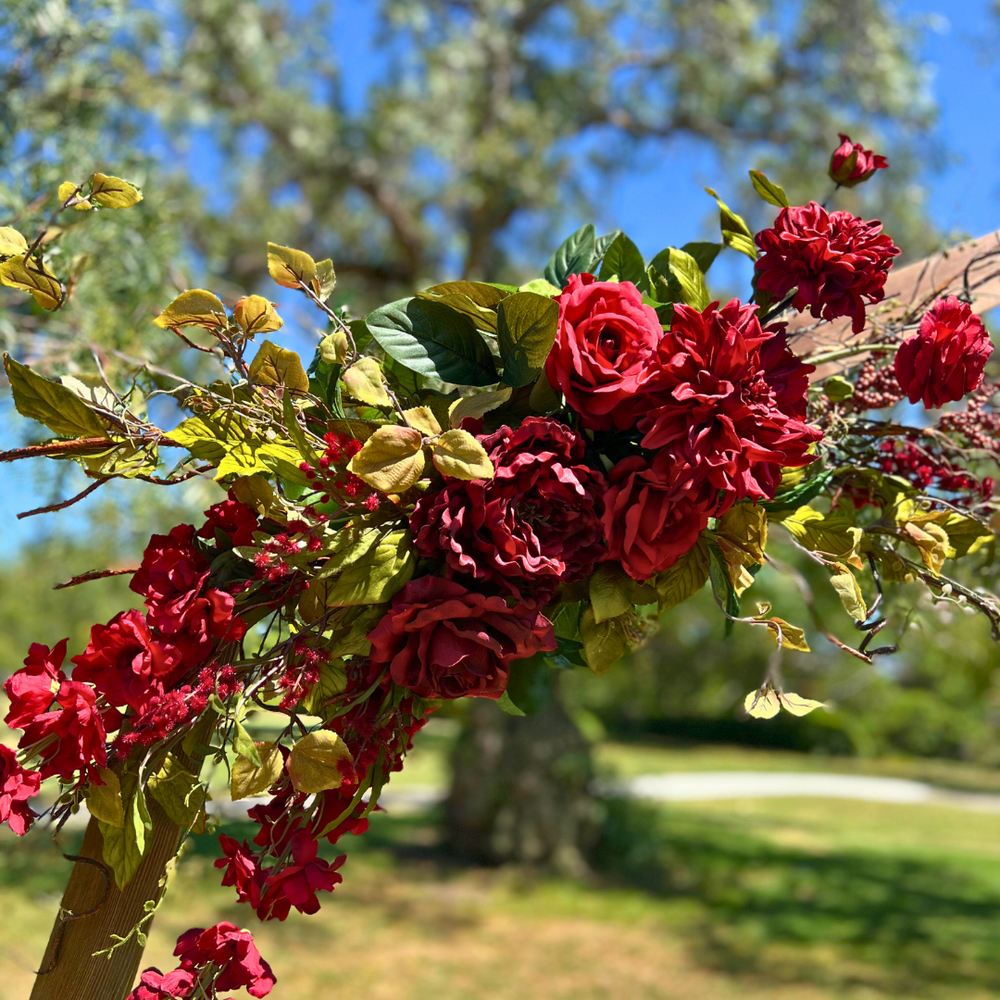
(535, 525)
(851, 163)
(946, 357)
(604, 339)
(232, 518)
(835, 260)
(726, 402)
(443, 641)
(32, 689)
(233, 951)
(17, 785)
(652, 518)
(79, 729)
(127, 663)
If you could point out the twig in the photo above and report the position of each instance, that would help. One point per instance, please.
(65, 503)
(96, 574)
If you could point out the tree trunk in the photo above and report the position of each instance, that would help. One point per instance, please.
(520, 789)
(69, 970)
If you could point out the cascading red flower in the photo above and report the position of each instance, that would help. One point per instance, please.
(32, 688)
(652, 517)
(234, 519)
(443, 641)
(851, 163)
(834, 259)
(604, 338)
(17, 785)
(534, 525)
(945, 359)
(127, 662)
(231, 950)
(154, 985)
(726, 403)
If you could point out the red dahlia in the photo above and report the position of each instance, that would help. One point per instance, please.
(834, 259)
(726, 404)
(534, 525)
(946, 357)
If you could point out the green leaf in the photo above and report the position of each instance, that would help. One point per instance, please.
(477, 405)
(836, 388)
(195, 307)
(180, 793)
(363, 381)
(274, 366)
(529, 688)
(540, 287)
(51, 403)
(624, 260)
(475, 299)
(332, 682)
(846, 586)
(773, 194)
(576, 255)
(832, 535)
(314, 759)
(610, 592)
(605, 643)
(372, 570)
(703, 253)
(113, 192)
(506, 705)
(526, 331)
(105, 801)
(735, 232)
(244, 745)
(126, 846)
(433, 340)
(794, 496)
(685, 578)
(248, 778)
(718, 572)
(33, 276)
(682, 279)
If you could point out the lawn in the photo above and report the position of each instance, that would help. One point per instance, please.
(788, 899)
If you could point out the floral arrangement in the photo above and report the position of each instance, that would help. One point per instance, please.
(464, 488)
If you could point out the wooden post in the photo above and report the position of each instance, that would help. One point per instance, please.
(69, 970)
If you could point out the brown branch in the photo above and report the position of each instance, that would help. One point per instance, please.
(52, 507)
(96, 574)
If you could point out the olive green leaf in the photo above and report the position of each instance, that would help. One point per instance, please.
(51, 403)
(391, 460)
(288, 267)
(255, 314)
(113, 192)
(458, 454)
(33, 276)
(275, 366)
(195, 307)
(313, 762)
(248, 779)
(364, 381)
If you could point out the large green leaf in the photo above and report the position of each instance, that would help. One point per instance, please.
(367, 566)
(576, 255)
(676, 277)
(125, 846)
(624, 260)
(475, 299)
(433, 340)
(526, 330)
(703, 253)
(51, 403)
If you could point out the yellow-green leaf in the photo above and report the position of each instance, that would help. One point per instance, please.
(795, 704)
(742, 535)
(180, 793)
(247, 779)
(113, 192)
(195, 307)
(685, 578)
(364, 381)
(325, 279)
(34, 277)
(254, 314)
(477, 405)
(762, 704)
(931, 541)
(275, 366)
(966, 534)
(605, 643)
(391, 460)
(289, 267)
(313, 762)
(51, 403)
(789, 636)
(773, 194)
(126, 846)
(610, 592)
(12, 242)
(421, 418)
(846, 586)
(735, 232)
(105, 801)
(832, 535)
(370, 570)
(332, 682)
(458, 454)
(333, 348)
(70, 196)
(526, 331)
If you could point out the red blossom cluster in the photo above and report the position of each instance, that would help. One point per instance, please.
(336, 484)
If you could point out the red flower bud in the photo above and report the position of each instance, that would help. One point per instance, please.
(851, 163)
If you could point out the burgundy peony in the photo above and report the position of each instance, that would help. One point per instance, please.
(535, 525)
(17, 785)
(727, 402)
(651, 516)
(231, 950)
(32, 689)
(126, 663)
(851, 163)
(443, 641)
(604, 338)
(835, 260)
(946, 357)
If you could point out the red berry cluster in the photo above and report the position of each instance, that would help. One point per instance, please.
(876, 387)
(340, 449)
(925, 469)
(979, 422)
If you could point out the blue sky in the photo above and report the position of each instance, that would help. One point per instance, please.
(965, 196)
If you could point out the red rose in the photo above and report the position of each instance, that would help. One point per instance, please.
(835, 260)
(16, 786)
(726, 403)
(945, 358)
(79, 730)
(443, 641)
(126, 663)
(32, 689)
(534, 525)
(652, 518)
(604, 338)
(851, 163)
(232, 518)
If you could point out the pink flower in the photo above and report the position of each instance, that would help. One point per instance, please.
(534, 525)
(231, 950)
(16, 786)
(32, 689)
(946, 357)
(604, 338)
(851, 163)
(443, 641)
(126, 663)
(652, 517)
(726, 403)
(835, 260)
